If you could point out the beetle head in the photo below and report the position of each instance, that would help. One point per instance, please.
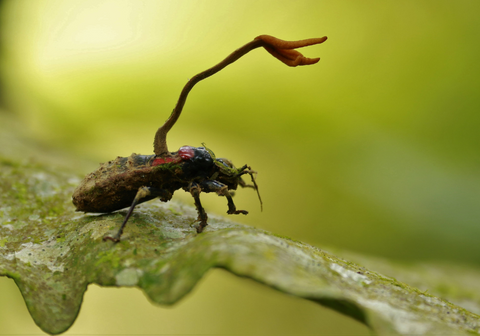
(227, 169)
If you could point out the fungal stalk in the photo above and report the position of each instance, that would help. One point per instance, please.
(282, 50)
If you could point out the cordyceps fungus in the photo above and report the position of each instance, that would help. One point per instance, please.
(128, 181)
(280, 49)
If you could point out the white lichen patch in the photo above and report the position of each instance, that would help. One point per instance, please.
(165, 268)
(44, 185)
(128, 277)
(172, 233)
(34, 217)
(277, 261)
(73, 181)
(431, 302)
(128, 262)
(5, 211)
(404, 322)
(46, 254)
(5, 216)
(8, 256)
(97, 229)
(350, 275)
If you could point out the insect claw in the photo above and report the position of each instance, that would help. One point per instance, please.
(114, 239)
(237, 212)
(199, 228)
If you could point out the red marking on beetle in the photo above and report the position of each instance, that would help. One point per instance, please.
(159, 161)
(186, 152)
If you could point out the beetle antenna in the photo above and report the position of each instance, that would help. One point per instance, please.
(255, 186)
(282, 50)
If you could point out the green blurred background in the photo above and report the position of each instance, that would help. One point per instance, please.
(375, 149)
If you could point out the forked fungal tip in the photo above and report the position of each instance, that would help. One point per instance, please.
(285, 50)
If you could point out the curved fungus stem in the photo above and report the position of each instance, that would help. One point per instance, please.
(280, 49)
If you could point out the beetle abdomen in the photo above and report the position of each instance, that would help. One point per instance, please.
(114, 184)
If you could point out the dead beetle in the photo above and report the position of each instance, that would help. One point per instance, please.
(128, 181)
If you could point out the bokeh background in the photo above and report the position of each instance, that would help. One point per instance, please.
(375, 149)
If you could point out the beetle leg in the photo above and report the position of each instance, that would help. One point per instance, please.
(195, 190)
(143, 192)
(247, 170)
(222, 190)
(242, 183)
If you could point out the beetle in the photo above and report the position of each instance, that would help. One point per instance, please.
(128, 181)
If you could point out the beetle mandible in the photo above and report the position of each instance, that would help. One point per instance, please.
(128, 181)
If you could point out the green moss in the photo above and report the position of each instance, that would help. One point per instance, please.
(9, 163)
(109, 257)
(169, 166)
(285, 237)
(175, 212)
